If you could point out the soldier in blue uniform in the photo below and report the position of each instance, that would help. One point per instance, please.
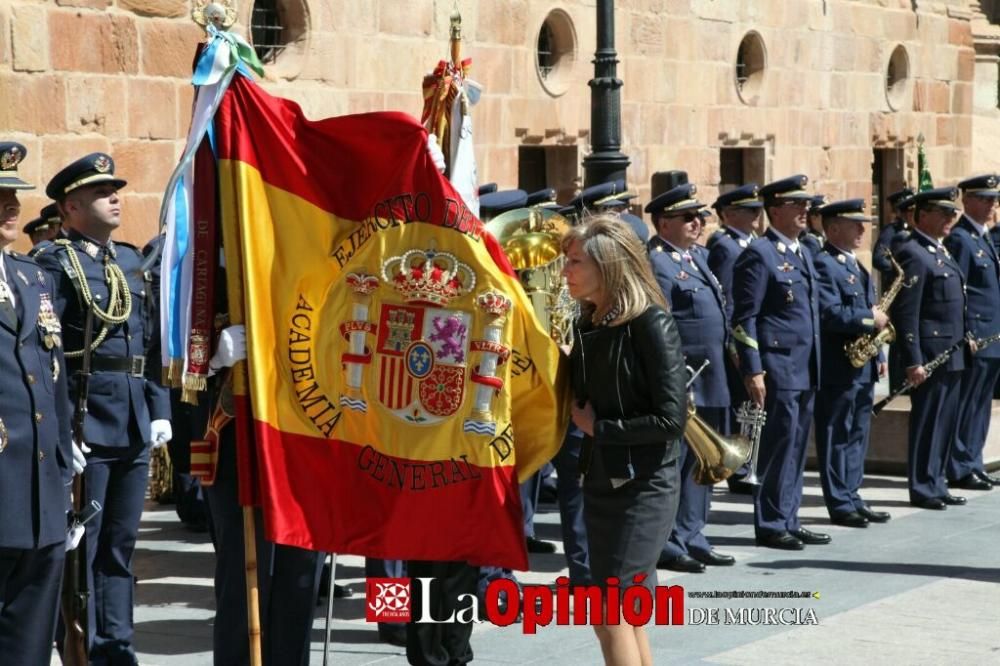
(893, 234)
(543, 198)
(127, 409)
(739, 211)
(36, 451)
(813, 238)
(972, 250)
(698, 306)
(776, 330)
(185, 488)
(44, 227)
(844, 401)
(617, 203)
(929, 317)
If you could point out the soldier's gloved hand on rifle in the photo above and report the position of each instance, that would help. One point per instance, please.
(73, 536)
(434, 150)
(232, 348)
(160, 432)
(79, 459)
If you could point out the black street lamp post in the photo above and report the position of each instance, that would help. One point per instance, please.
(606, 161)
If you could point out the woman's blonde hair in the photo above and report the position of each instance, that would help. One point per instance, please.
(623, 263)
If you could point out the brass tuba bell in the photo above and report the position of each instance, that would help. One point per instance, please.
(532, 240)
(718, 456)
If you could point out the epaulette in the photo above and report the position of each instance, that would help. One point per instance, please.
(714, 238)
(123, 244)
(43, 247)
(17, 256)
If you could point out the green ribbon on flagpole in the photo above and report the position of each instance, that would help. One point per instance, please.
(925, 182)
(239, 48)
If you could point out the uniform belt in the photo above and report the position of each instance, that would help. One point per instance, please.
(134, 366)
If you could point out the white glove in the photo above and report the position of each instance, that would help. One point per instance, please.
(232, 348)
(73, 536)
(160, 432)
(79, 460)
(434, 150)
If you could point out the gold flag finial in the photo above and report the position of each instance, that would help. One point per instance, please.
(220, 13)
(456, 36)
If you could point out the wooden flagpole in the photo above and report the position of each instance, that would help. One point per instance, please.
(253, 591)
(222, 14)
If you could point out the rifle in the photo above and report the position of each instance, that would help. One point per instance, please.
(75, 590)
(930, 367)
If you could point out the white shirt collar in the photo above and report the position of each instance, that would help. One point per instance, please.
(936, 242)
(849, 253)
(793, 245)
(674, 248)
(980, 228)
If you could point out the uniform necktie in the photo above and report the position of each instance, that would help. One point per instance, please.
(7, 310)
(688, 258)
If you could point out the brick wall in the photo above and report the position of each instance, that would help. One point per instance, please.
(84, 75)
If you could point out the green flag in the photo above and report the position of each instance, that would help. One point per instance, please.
(925, 181)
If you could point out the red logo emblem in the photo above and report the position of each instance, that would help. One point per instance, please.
(388, 600)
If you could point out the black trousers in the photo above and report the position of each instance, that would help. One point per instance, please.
(117, 478)
(447, 643)
(287, 577)
(30, 581)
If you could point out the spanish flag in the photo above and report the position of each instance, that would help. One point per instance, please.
(398, 383)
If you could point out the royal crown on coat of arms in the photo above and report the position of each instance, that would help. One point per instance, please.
(428, 276)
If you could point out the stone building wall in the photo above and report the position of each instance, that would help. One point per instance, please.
(84, 75)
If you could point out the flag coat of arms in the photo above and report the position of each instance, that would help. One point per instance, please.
(398, 385)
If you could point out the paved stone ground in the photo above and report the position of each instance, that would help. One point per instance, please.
(921, 589)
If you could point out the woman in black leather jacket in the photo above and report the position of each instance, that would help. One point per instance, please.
(629, 383)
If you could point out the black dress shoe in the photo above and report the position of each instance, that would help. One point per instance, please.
(780, 540)
(682, 563)
(971, 482)
(539, 546)
(851, 519)
(874, 516)
(953, 500)
(930, 503)
(809, 537)
(992, 480)
(713, 558)
(739, 486)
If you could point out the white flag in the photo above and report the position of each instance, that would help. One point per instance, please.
(463, 158)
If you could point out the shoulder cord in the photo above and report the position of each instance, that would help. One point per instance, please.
(119, 297)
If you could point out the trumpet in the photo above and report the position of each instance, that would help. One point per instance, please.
(718, 456)
(752, 419)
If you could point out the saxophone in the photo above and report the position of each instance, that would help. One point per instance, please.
(866, 347)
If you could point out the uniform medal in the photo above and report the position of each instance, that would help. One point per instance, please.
(49, 323)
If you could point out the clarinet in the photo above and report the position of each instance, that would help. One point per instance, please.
(983, 343)
(930, 367)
